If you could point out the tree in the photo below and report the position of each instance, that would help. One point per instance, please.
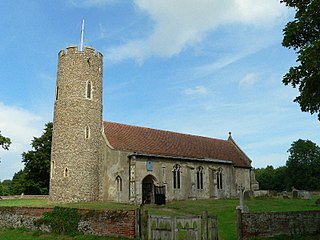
(19, 183)
(37, 163)
(1, 189)
(303, 165)
(6, 185)
(265, 177)
(303, 35)
(270, 178)
(4, 142)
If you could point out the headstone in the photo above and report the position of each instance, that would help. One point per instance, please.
(261, 193)
(306, 195)
(246, 195)
(295, 193)
(284, 195)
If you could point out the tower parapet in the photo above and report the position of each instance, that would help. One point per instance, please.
(77, 124)
(74, 49)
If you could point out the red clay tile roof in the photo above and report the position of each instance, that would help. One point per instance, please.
(165, 143)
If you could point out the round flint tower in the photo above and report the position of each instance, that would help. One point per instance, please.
(77, 125)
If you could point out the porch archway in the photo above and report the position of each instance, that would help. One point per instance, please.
(148, 189)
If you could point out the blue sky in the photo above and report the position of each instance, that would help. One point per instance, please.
(203, 67)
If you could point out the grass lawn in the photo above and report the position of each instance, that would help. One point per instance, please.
(223, 209)
(24, 234)
(33, 202)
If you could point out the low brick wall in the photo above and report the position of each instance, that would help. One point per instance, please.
(94, 222)
(108, 222)
(267, 224)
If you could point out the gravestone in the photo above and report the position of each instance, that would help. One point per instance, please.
(246, 195)
(295, 193)
(306, 195)
(284, 195)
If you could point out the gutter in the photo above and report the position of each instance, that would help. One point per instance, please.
(181, 158)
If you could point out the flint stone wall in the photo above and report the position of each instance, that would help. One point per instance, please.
(93, 222)
(268, 224)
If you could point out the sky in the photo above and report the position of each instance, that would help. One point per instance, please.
(203, 67)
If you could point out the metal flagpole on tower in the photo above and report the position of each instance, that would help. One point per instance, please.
(82, 35)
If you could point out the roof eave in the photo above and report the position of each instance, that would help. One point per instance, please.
(181, 158)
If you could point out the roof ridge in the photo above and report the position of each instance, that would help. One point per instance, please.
(169, 131)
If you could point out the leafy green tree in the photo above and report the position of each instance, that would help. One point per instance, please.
(280, 179)
(270, 178)
(18, 184)
(1, 189)
(303, 35)
(37, 163)
(6, 185)
(4, 142)
(303, 165)
(265, 177)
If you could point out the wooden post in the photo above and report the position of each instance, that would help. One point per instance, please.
(174, 231)
(205, 225)
(138, 223)
(149, 227)
(214, 228)
(144, 219)
(239, 224)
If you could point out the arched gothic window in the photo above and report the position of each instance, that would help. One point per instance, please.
(89, 90)
(176, 176)
(219, 179)
(200, 177)
(119, 183)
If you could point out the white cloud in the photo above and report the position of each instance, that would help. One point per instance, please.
(248, 80)
(257, 12)
(198, 90)
(182, 23)
(207, 69)
(20, 126)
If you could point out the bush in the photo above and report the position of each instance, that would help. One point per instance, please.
(61, 220)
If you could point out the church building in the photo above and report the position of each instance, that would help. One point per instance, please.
(96, 160)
